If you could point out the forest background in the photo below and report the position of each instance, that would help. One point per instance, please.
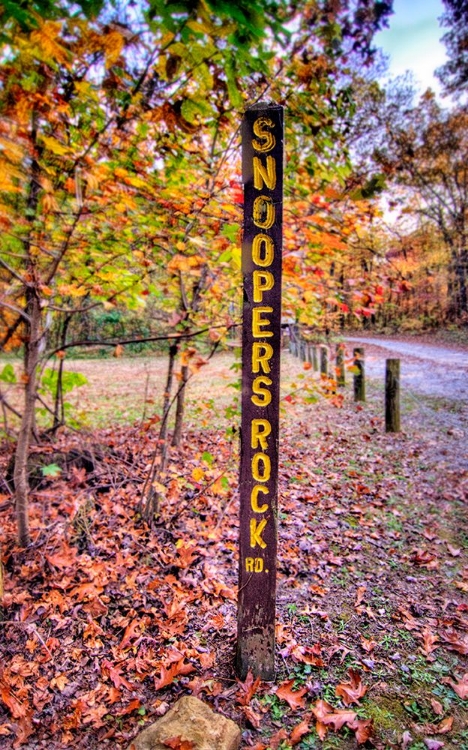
(121, 196)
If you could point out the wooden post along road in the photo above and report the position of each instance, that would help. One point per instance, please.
(262, 174)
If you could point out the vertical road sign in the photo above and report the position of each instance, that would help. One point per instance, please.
(262, 173)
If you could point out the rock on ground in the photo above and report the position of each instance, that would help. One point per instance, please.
(191, 721)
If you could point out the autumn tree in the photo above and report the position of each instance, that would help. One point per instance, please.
(86, 104)
(454, 73)
(97, 107)
(426, 151)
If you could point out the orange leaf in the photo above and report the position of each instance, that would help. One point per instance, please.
(429, 642)
(363, 729)
(368, 644)
(360, 595)
(177, 743)
(114, 673)
(17, 709)
(249, 688)
(168, 675)
(129, 633)
(445, 725)
(293, 697)
(327, 716)
(299, 731)
(251, 716)
(352, 691)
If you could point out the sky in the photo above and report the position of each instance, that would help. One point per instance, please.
(413, 40)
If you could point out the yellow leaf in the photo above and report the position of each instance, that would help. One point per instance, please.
(45, 38)
(113, 44)
(55, 146)
(198, 474)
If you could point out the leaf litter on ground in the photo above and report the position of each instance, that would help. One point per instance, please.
(106, 623)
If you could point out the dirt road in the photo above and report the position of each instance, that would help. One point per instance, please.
(438, 371)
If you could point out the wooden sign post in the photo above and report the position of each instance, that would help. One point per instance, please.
(262, 171)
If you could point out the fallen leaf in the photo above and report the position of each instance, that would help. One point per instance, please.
(424, 559)
(368, 644)
(430, 640)
(276, 739)
(299, 731)
(327, 716)
(247, 690)
(353, 691)
(168, 675)
(294, 698)
(437, 707)
(363, 729)
(433, 744)
(177, 743)
(454, 641)
(360, 595)
(461, 688)
(445, 725)
(17, 709)
(251, 716)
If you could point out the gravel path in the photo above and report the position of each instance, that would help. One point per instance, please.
(438, 371)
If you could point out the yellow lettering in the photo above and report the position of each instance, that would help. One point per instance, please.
(261, 355)
(262, 395)
(254, 499)
(249, 564)
(266, 467)
(261, 428)
(264, 173)
(263, 250)
(264, 135)
(263, 281)
(256, 531)
(258, 322)
(263, 212)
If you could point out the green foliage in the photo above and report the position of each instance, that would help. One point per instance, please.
(51, 470)
(69, 381)
(7, 375)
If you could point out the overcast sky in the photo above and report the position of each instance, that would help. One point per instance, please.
(413, 40)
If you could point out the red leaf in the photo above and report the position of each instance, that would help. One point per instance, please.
(326, 716)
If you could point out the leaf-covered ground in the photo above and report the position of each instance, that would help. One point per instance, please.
(107, 623)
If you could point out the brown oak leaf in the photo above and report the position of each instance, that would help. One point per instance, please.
(353, 691)
(295, 698)
(168, 675)
(461, 688)
(299, 731)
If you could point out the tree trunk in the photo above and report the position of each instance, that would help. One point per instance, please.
(180, 408)
(31, 359)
